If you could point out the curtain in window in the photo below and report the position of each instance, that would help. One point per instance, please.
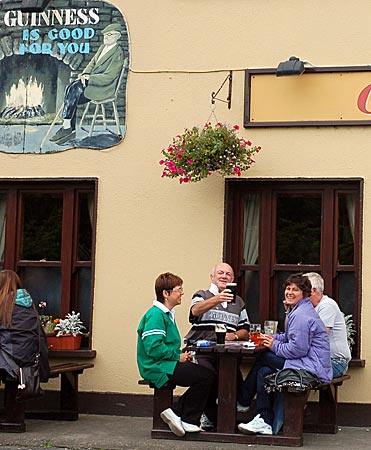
(91, 207)
(251, 227)
(2, 225)
(351, 212)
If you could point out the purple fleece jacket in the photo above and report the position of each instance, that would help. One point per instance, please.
(305, 344)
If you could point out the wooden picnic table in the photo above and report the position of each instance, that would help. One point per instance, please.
(229, 357)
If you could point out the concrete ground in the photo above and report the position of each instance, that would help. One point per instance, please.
(134, 433)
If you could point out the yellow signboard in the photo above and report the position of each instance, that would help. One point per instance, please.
(318, 97)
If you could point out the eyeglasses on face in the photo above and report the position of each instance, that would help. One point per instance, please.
(178, 289)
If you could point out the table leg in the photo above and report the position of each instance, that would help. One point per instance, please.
(228, 365)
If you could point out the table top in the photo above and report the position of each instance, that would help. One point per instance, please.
(237, 347)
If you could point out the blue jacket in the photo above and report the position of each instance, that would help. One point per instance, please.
(305, 344)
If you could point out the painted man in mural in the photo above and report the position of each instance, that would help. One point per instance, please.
(97, 82)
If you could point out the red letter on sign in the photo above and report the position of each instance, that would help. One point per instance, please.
(363, 99)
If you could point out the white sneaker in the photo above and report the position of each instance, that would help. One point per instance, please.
(257, 425)
(241, 408)
(190, 428)
(206, 424)
(174, 422)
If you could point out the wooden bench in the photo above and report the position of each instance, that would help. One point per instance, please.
(15, 413)
(162, 399)
(293, 426)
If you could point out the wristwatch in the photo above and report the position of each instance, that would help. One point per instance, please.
(235, 336)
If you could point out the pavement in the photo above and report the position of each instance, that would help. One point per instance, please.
(134, 433)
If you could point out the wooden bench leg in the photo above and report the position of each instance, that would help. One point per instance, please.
(14, 412)
(162, 399)
(328, 409)
(294, 413)
(69, 400)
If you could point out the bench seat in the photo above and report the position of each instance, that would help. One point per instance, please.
(15, 413)
(293, 426)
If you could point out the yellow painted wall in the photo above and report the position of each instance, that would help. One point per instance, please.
(146, 224)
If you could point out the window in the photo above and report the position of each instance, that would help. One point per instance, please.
(47, 232)
(275, 228)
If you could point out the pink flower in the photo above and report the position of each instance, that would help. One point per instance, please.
(161, 162)
(237, 171)
(190, 161)
(164, 174)
(236, 127)
(249, 143)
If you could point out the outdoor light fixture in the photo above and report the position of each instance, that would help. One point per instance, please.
(291, 67)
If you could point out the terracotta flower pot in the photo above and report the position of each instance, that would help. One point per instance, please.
(64, 342)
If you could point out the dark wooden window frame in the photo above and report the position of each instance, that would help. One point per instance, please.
(235, 190)
(69, 263)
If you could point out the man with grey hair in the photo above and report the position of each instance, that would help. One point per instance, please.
(212, 307)
(334, 321)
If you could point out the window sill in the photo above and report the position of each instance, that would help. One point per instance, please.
(357, 362)
(73, 354)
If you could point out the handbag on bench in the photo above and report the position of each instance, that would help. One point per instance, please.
(299, 380)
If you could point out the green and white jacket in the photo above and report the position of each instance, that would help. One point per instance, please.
(158, 346)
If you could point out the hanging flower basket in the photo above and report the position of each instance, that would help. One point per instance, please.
(199, 152)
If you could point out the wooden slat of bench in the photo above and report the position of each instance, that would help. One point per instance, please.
(58, 369)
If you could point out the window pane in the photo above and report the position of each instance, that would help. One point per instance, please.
(2, 225)
(85, 226)
(42, 227)
(298, 231)
(84, 280)
(44, 283)
(281, 277)
(252, 295)
(346, 292)
(346, 229)
(251, 228)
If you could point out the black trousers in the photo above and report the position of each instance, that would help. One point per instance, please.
(195, 400)
(73, 96)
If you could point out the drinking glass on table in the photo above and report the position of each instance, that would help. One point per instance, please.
(220, 331)
(270, 326)
(255, 333)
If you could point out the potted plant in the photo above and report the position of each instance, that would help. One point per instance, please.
(47, 321)
(68, 333)
(199, 152)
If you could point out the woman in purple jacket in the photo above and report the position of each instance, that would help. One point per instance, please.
(304, 345)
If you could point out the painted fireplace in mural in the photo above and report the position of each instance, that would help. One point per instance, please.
(46, 59)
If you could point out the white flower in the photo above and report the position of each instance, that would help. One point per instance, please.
(70, 325)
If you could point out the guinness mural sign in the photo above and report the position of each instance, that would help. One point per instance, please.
(63, 74)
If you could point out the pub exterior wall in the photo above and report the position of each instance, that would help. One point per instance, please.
(181, 51)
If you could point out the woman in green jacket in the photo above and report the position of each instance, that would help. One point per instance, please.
(160, 359)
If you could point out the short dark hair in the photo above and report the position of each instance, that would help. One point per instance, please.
(301, 281)
(166, 282)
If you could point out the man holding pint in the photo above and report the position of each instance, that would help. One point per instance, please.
(212, 307)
